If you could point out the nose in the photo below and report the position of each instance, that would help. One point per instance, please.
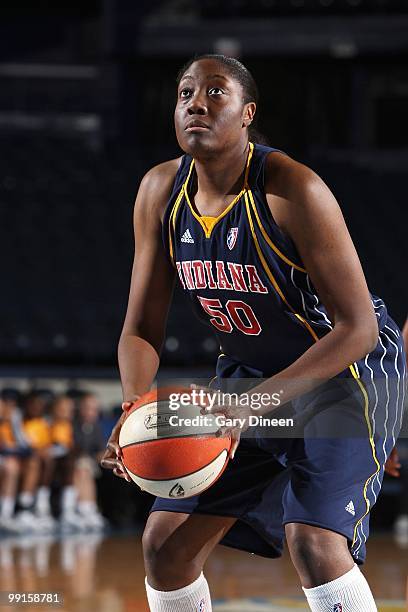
(197, 105)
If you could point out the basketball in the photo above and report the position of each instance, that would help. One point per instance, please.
(170, 451)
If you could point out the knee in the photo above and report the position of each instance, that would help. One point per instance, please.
(32, 462)
(310, 547)
(306, 550)
(11, 466)
(169, 563)
(85, 468)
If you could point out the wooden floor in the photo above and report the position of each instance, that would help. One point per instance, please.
(105, 574)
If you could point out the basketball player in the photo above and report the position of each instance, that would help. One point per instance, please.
(259, 243)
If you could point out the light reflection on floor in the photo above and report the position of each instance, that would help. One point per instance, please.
(284, 605)
(106, 574)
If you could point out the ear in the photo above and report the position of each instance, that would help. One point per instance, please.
(248, 114)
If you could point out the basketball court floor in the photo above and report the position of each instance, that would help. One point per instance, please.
(105, 574)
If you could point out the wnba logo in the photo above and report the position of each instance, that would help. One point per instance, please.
(338, 608)
(232, 237)
(201, 606)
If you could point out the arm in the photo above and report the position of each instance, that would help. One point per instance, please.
(405, 336)
(151, 286)
(393, 465)
(149, 300)
(307, 211)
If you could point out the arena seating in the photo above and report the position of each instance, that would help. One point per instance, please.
(66, 250)
(267, 8)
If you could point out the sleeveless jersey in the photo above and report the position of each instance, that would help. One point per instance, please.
(244, 275)
(37, 432)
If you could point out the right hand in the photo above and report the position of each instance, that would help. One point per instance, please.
(112, 457)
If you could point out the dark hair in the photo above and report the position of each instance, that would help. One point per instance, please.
(239, 73)
(10, 394)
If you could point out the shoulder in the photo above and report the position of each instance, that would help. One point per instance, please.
(160, 178)
(296, 195)
(156, 186)
(158, 181)
(289, 179)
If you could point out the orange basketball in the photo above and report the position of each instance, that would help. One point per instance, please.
(172, 451)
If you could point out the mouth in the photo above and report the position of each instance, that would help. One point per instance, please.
(196, 126)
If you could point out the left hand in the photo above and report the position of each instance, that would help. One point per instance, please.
(235, 421)
(392, 465)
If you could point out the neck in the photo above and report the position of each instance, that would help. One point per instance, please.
(222, 174)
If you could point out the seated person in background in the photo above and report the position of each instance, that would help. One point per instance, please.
(62, 450)
(89, 448)
(15, 453)
(61, 426)
(34, 502)
(10, 457)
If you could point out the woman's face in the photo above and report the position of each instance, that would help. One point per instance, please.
(210, 115)
(63, 409)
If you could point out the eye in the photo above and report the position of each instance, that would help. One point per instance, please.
(185, 92)
(215, 91)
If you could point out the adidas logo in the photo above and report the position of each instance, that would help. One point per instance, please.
(187, 237)
(350, 508)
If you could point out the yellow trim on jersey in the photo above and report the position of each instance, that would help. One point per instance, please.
(171, 219)
(209, 222)
(372, 444)
(173, 214)
(267, 238)
(248, 164)
(271, 276)
(351, 367)
(208, 230)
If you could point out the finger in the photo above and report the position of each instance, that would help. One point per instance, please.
(391, 470)
(233, 448)
(201, 388)
(394, 454)
(127, 405)
(127, 477)
(215, 410)
(121, 468)
(121, 474)
(221, 432)
(112, 450)
(207, 393)
(112, 446)
(235, 439)
(109, 463)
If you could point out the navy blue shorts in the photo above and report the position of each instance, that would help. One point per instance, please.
(330, 477)
(19, 452)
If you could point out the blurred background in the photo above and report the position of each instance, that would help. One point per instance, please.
(86, 102)
(87, 92)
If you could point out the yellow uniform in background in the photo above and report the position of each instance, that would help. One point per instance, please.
(37, 432)
(61, 433)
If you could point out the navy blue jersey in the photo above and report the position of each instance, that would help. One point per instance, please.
(247, 281)
(244, 275)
